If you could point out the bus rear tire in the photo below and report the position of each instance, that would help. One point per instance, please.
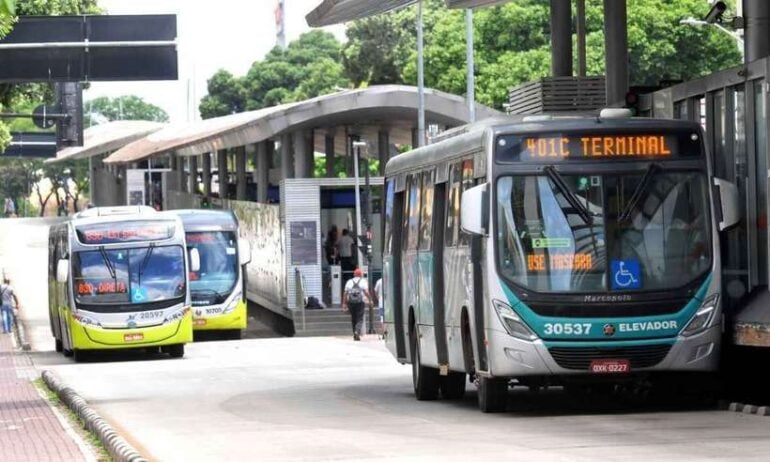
(492, 394)
(425, 379)
(59, 346)
(233, 334)
(453, 385)
(175, 351)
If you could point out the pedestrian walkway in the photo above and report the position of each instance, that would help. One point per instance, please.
(29, 429)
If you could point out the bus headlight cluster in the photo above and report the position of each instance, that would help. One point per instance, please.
(512, 322)
(233, 303)
(702, 319)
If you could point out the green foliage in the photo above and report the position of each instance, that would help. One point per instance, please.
(512, 46)
(129, 107)
(310, 66)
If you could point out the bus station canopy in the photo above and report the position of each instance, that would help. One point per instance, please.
(330, 12)
(377, 105)
(103, 138)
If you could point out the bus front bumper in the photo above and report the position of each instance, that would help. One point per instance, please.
(235, 319)
(512, 357)
(89, 337)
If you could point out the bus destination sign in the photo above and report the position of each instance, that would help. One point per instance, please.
(115, 233)
(554, 147)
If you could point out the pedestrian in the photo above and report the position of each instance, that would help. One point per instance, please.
(355, 300)
(380, 301)
(9, 208)
(330, 246)
(8, 297)
(345, 252)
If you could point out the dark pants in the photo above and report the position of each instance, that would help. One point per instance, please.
(357, 318)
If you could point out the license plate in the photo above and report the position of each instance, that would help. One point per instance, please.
(200, 322)
(133, 337)
(610, 366)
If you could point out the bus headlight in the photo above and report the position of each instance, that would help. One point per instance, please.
(512, 322)
(703, 317)
(233, 303)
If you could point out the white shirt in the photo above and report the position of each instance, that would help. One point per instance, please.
(362, 284)
(345, 246)
(378, 291)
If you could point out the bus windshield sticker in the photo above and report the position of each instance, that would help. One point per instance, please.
(138, 295)
(554, 147)
(551, 243)
(626, 274)
(230, 251)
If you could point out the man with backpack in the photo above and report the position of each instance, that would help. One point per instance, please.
(8, 297)
(355, 300)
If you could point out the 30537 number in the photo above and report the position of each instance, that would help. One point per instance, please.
(567, 328)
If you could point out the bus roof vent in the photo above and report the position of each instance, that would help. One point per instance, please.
(616, 113)
(537, 118)
(112, 211)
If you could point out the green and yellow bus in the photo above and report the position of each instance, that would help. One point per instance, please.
(118, 279)
(218, 288)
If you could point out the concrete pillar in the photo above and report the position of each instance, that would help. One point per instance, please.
(616, 51)
(303, 155)
(264, 153)
(287, 157)
(383, 148)
(756, 15)
(222, 173)
(330, 155)
(415, 138)
(561, 38)
(240, 173)
(206, 174)
(193, 179)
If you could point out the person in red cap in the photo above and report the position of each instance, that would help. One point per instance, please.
(355, 300)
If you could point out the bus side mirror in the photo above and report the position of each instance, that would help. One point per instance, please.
(62, 270)
(474, 210)
(729, 210)
(195, 260)
(244, 252)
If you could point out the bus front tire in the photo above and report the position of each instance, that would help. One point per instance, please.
(233, 334)
(59, 346)
(492, 394)
(175, 351)
(79, 355)
(425, 379)
(453, 385)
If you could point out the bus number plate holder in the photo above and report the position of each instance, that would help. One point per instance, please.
(610, 366)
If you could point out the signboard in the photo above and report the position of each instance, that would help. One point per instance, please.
(304, 243)
(113, 233)
(32, 144)
(135, 186)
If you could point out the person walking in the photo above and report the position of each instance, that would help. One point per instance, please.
(355, 300)
(8, 297)
(330, 246)
(345, 253)
(9, 208)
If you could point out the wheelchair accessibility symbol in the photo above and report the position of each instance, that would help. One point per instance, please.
(626, 274)
(138, 295)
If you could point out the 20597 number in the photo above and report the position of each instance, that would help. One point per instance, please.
(567, 328)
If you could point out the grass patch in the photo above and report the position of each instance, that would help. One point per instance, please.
(75, 422)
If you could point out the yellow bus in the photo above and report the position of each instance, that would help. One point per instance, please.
(218, 289)
(118, 279)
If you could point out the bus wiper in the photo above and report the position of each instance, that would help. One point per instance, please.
(108, 263)
(640, 192)
(561, 185)
(145, 262)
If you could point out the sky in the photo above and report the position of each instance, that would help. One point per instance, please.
(211, 35)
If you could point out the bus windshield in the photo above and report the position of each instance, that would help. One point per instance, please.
(219, 266)
(583, 233)
(129, 276)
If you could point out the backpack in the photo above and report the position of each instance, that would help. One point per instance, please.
(355, 295)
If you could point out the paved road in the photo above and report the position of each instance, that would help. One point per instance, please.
(331, 398)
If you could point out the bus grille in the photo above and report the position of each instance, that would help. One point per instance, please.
(608, 310)
(638, 357)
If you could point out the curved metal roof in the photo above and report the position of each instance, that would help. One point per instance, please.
(107, 137)
(374, 105)
(330, 12)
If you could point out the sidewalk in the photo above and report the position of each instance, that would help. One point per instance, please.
(29, 429)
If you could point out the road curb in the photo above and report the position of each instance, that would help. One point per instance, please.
(115, 444)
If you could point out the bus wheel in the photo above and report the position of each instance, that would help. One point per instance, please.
(67, 353)
(79, 355)
(175, 351)
(492, 394)
(59, 346)
(233, 334)
(453, 385)
(425, 379)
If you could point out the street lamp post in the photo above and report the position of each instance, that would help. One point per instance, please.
(700, 23)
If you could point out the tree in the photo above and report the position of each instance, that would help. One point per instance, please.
(512, 46)
(310, 66)
(121, 108)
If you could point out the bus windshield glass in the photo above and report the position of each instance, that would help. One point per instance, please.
(219, 266)
(644, 231)
(129, 276)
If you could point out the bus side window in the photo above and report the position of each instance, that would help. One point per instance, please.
(426, 217)
(405, 223)
(414, 212)
(467, 183)
(387, 242)
(453, 206)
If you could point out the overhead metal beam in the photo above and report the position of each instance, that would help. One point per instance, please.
(337, 11)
